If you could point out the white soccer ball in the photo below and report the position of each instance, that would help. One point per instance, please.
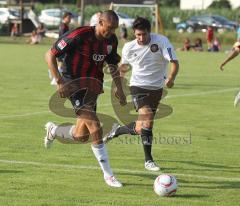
(165, 185)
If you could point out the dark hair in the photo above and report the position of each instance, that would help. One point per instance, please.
(109, 14)
(141, 23)
(66, 14)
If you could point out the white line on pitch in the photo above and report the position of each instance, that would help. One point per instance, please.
(203, 93)
(109, 104)
(89, 167)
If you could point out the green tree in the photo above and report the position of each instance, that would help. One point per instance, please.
(220, 4)
(169, 3)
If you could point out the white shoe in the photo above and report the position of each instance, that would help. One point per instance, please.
(109, 136)
(151, 166)
(49, 138)
(112, 181)
(237, 100)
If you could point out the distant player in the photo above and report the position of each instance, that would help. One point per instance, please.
(148, 56)
(235, 51)
(63, 28)
(86, 49)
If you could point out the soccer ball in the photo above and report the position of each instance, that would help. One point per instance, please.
(165, 185)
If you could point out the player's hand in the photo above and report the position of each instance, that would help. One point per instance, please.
(62, 88)
(121, 96)
(221, 66)
(169, 82)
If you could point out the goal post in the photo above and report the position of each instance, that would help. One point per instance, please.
(153, 8)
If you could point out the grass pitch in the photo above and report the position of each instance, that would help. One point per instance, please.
(199, 142)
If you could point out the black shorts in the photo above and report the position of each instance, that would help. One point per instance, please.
(83, 98)
(144, 97)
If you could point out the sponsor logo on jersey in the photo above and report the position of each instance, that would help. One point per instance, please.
(62, 44)
(98, 57)
(154, 48)
(77, 102)
(109, 49)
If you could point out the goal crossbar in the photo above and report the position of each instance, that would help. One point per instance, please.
(154, 8)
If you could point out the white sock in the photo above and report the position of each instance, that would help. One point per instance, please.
(101, 155)
(60, 69)
(49, 74)
(63, 133)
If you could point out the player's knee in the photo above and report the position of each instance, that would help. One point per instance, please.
(147, 124)
(83, 138)
(93, 125)
(146, 116)
(138, 127)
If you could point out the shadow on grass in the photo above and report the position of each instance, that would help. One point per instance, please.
(189, 196)
(209, 166)
(10, 171)
(213, 185)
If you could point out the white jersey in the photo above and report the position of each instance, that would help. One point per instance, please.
(149, 62)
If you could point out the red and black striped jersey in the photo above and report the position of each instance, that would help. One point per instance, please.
(85, 54)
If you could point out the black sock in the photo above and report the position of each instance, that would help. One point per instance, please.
(146, 136)
(127, 129)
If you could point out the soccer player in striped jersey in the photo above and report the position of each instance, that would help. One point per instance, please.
(86, 49)
(148, 55)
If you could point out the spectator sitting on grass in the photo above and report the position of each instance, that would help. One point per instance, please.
(186, 45)
(216, 46)
(41, 30)
(198, 45)
(34, 38)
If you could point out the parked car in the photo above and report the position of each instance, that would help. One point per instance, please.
(195, 23)
(52, 17)
(125, 19)
(7, 14)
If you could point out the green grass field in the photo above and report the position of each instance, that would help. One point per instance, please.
(207, 166)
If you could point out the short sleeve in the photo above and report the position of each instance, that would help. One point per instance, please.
(113, 57)
(168, 50)
(63, 44)
(124, 55)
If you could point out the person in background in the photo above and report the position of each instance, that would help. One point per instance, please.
(63, 28)
(209, 37)
(35, 38)
(198, 45)
(186, 45)
(14, 30)
(123, 32)
(41, 30)
(216, 46)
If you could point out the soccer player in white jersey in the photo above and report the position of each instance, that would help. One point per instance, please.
(148, 55)
(235, 52)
